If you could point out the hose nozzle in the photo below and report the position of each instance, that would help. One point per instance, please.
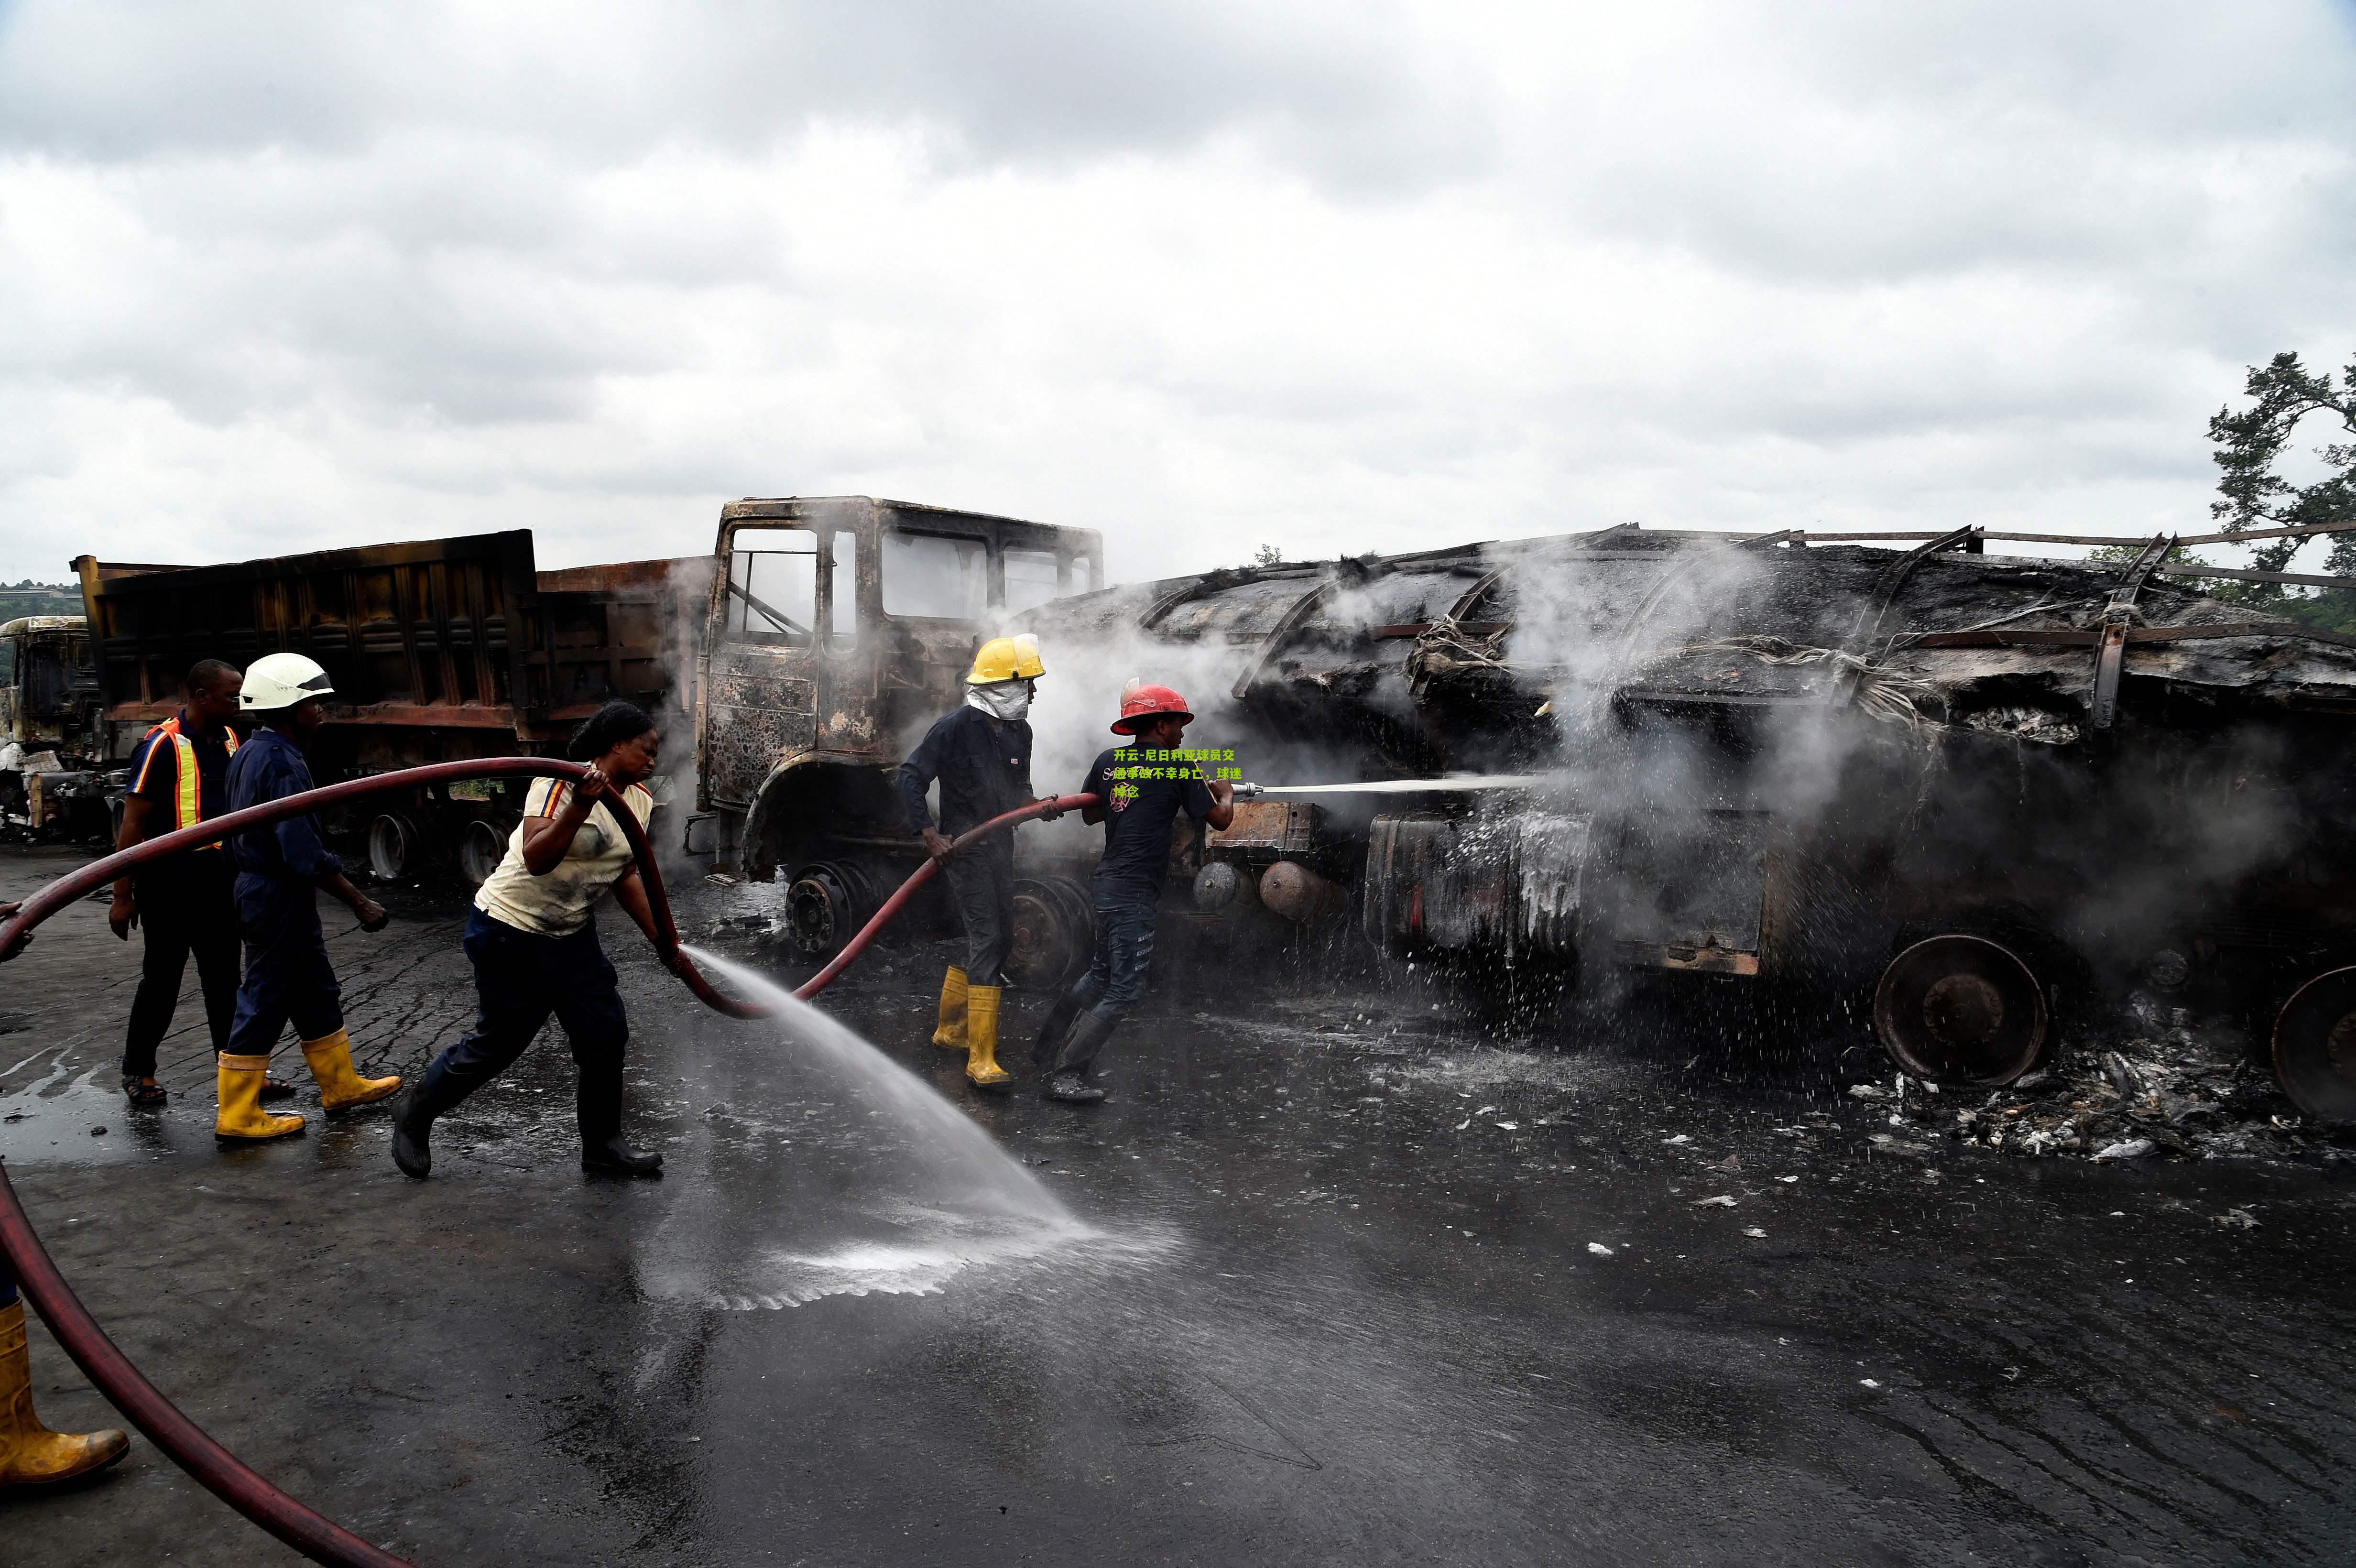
(1248, 790)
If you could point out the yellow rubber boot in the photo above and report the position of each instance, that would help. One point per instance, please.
(981, 1069)
(30, 1454)
(951, 1034)
(241, 1118)
(340, 1088)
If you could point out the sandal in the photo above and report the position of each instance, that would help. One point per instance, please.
(143, 1096)
(276, 1089)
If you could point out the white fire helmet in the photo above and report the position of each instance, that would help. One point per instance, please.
(281, 680)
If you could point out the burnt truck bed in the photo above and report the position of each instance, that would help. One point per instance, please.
(1968, 791)
(439, 649)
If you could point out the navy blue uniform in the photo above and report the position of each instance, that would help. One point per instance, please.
(984, 767)
(1138, 813)
(287, 974)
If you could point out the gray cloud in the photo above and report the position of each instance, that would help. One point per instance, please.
(1353, 90)
(1333, 277)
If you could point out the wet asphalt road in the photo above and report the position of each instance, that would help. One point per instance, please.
(1330, 1293)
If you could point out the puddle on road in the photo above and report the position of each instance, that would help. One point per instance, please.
(49, 1120)
(923, 1255)
(833, 1170)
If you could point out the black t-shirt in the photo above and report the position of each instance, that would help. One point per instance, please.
(1142, 796)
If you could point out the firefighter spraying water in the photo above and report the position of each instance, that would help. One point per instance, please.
(1140, 789)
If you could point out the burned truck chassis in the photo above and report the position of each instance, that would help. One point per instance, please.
(1970, 797)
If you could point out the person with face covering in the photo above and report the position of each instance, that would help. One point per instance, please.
(982, 755)
(532, 939)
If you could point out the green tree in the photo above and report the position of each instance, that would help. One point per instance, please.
(2284, 395)
(1268, 555)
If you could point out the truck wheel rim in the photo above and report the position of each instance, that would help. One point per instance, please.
(392, 848)
(818, 912)
(2315, 1047)
(480, 850)
(1961, 1009)
(1041, 955)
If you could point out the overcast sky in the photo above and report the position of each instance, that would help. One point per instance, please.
(276, 277)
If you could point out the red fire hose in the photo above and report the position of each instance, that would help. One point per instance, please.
(182, 1440)
(97, 873)
(219, 1471)
(893, 905)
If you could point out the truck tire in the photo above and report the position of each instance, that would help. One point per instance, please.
(482, 845)
(1052, 934)
(827, 904)
(1962, 1008)
(396, 847)
(2315, 1047)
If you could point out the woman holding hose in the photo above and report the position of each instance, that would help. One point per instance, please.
(532, 939)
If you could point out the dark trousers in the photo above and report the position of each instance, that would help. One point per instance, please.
(287, 975)
(1116, 979)
(520, 980)
(188, 908)
(981, 881)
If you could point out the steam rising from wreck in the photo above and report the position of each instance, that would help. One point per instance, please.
(1779, 765)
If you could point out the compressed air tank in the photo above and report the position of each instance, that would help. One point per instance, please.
(1299, 894)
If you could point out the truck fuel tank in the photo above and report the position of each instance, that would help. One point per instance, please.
(1507, 882)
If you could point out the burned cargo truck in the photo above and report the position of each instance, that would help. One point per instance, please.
(836, 628)
(1968, 793)
(440, 650)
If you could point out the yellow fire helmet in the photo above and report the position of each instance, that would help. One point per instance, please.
(1006, 659)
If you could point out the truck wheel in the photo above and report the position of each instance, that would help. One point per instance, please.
(1050, 936)
(396, 847)
(2315, 1047)
(827, 904)
(1961, 1009)
(482, 845)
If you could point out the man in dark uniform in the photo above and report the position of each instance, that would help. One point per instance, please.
(1140, 788)
(182, 904)
(279, 870)
(981, 754)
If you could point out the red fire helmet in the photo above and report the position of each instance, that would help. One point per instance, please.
(1140, 703)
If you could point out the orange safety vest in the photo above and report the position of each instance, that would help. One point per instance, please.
(187, 794)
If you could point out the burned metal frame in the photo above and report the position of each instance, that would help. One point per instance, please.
(2118, 615)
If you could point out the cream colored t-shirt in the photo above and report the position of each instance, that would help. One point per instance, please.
(558, 903)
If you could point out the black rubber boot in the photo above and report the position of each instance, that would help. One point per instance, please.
(1073, 1090)
(615, 1157)
(1052, 1033)
(599, 1105)
(413, 1123)
(275, 1089)
(412, 1132)
(1069, 1081)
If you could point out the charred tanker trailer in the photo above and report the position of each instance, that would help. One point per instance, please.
(1969, 793)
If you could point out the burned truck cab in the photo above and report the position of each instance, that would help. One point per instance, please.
(840, 627)
(50, 754)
